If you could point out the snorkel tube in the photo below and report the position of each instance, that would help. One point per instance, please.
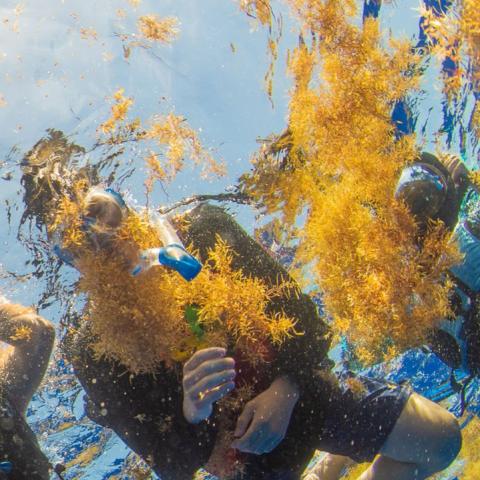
(173, 253)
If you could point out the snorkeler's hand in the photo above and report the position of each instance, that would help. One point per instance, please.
(264, 420)
(207, 377)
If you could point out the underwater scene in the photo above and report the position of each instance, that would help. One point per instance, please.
(240, 239)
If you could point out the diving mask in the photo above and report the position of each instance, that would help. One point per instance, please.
(423, 189)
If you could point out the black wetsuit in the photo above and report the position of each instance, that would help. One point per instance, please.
(146, 410)
(19, 446)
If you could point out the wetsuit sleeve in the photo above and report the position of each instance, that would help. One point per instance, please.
(144, 410)
(299, 357)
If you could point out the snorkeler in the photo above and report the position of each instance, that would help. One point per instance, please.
(175, 421)
(23, 365)
(442, 190)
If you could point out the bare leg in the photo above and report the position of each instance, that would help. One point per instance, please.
(25, 361)
(330, 467)
(425, 440)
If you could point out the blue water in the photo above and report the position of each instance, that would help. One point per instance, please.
(53, 77)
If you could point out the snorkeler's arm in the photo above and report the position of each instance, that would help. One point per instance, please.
(24, 361)
(264, 421)
(299, 357)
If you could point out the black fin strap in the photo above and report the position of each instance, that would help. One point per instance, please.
(463, 393)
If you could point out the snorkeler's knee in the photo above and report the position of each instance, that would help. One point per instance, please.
(447, 445)
(42, 332)
(452, 441)
(426, 435)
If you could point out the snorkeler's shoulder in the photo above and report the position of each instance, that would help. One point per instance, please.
(208, 223)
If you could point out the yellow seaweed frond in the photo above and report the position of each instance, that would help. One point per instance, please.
(119, 112)
(227, 299)
(470, 26)
(22, 333)
(273, 54)
(470, 453)
(455, 34)
(474, 177)
(259, 9)
(476, 119)
(136, 228)
(67, 217)
(173, 133)
(154, 28)
(156, 171)
(176, 139)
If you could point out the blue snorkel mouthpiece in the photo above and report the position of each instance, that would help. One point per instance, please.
(173, 256)
(173, 253)
(6, 467)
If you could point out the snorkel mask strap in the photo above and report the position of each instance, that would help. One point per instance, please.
(117, 197)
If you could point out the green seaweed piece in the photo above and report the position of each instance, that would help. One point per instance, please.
(192, 318)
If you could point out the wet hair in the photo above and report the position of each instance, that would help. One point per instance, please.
(103, 209)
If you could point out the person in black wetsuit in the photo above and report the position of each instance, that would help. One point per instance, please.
(22, 366)
(172, 419)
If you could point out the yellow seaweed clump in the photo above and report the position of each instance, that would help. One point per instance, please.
(233, 302)
(455, 34)
(175, 138)
(119, 111)
(173, 133)
(154, 28)
(259, 9)
(470, 453)
(334, 172)
(474, 177)
(142, 321)
(135, 321)
(67, 217)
